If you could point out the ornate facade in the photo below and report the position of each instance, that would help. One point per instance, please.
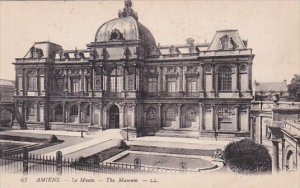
(125, 80)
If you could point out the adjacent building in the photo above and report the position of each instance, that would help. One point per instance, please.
(7, 89)
(124, 80)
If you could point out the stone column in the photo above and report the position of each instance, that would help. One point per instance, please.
(122, 117)
(124, 78)
(282, 154)
(159, 116)
(37, 111)
(249, 74)
(16, 82)
(235, 79)
(101, 115)
(275, 156)
(79, 112)
(181, 79)
(38, 82)
(64, 111)
(201, 117)
(179, 115)
(201, 81)
(91, 113)
(133, 115)
(134, 83)
(82, 80)
(24, 82)
(236, 118)
(213, 119)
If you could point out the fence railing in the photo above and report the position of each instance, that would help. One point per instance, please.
(28, 163)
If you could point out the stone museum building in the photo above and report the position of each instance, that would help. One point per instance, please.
(125, 80)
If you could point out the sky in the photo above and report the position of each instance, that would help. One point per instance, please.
(272, 28)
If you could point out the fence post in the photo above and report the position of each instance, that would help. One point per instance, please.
(59, 163)
(25, 161)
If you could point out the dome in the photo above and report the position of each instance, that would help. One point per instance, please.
(125, 28)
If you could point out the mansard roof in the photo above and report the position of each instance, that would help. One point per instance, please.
(232, 38)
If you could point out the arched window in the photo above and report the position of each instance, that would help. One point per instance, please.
(191, 114)
(151, 113)
(32, 81)
(224, 79)
(171, 113)
(224, 114)
(59, 109)
(74, 110)
(116, 80)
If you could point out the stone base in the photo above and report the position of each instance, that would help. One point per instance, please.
(130, 132)
(178, 133)
(224, 134)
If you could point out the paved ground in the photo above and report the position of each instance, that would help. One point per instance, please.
(74, 146)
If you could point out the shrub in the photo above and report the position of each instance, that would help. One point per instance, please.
(245, 156)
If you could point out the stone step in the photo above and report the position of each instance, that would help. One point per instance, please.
(178, 133)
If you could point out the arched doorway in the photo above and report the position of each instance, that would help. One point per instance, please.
(114, 117)
(290, 162)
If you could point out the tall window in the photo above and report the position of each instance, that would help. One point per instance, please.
(59, 110)
(191, 115)
(59, 83)
(32, 81)
(192, 85)
(116, 80)
(171, 114)
(224, 114)
(171, 84)
(87, 84)
(74, 110)
(152, 84)
(87, 110)
(151, 113)
(224, 80)
(30, 112)
(75, 86)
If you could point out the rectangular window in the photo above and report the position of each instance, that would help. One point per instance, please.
(75, 85)
(225, 82)
(32, 84)
(20, 83)
(171, 84)
(87, 84)
(152, 84)
(119, 84)
(191, 85)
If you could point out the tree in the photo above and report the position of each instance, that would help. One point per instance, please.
(294, 88)
(245, 156)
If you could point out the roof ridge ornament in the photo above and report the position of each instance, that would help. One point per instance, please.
(127, 10)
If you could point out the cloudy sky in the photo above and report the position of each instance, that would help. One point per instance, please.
(272, 28)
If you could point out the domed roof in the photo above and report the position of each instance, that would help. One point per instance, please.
(125, 28)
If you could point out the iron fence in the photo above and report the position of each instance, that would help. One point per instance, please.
(28, 163)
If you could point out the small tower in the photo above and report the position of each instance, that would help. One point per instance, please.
(127, 10)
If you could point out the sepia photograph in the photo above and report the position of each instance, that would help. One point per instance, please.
(141, 93)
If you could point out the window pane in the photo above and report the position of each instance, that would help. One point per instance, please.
(152, 83)
(171, 84)
(224, 114)
(225, 79)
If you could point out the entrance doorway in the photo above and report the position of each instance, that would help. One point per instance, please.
(114, 117)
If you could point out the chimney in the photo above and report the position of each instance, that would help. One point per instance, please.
(190, 41)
